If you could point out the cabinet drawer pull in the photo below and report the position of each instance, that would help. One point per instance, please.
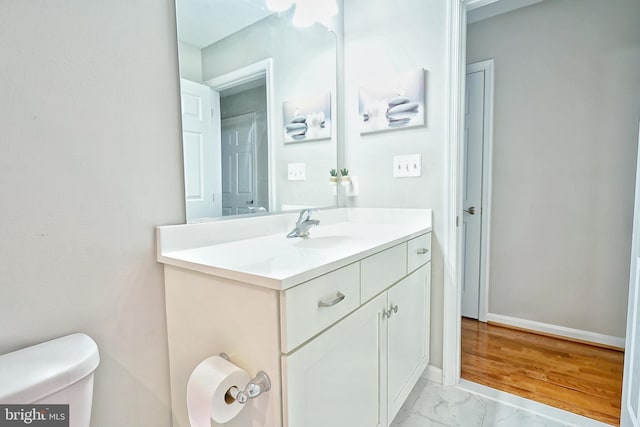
(339, 297)
(422, 251)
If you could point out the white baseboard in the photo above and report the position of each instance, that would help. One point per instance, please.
(433, 373)
(562, 331)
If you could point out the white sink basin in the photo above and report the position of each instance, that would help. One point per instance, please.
(278, 262)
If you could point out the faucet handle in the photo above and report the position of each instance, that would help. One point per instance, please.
(305, 214)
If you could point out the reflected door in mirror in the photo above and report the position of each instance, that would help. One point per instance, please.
(198, 150)
(239, 158)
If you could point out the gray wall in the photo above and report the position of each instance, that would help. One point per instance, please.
(383, 38)
(90, 163)
(567, 76)
(190, 62)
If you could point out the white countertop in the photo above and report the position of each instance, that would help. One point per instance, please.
(274, 261)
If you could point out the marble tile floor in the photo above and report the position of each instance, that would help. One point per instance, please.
(434, 405)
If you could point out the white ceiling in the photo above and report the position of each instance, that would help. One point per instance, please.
(203, 22)
(479, 10)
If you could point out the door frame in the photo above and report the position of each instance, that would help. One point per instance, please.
(247, 74)
(627, 417)
(487, 168)
(453, 169)
(451, 244)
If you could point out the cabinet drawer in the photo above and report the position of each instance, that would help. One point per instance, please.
(418, 251)
(381, 270)
(302, 313)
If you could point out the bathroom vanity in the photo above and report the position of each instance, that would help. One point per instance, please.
(339, 321)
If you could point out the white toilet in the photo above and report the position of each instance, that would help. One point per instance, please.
(57, 371)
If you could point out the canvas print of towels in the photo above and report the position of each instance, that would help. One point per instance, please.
(395, 103)
(307, 119)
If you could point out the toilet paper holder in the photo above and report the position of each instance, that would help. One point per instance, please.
(259, 384)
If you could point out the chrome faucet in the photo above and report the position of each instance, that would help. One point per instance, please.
(303, 224)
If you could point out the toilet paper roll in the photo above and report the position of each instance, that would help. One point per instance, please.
(206, 390)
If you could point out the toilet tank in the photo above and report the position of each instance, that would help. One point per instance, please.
(59, 371)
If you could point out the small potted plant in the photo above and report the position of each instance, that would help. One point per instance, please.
(344, 176)
(333, 176)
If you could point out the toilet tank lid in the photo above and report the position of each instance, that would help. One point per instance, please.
(29, 374)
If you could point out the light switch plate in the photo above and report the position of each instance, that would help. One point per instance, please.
(407, 166)
(297, 171)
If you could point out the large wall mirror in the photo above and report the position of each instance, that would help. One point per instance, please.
(258, 109)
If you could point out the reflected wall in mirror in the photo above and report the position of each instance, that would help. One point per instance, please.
(239, 64)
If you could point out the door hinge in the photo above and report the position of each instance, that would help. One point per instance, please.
(213, 197)
(457, 221)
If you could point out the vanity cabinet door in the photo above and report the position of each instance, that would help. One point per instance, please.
(408, 332)
(335, 380)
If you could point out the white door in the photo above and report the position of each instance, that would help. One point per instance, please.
(630, 415)
(407, 331)
(335, 381)
(239, 180)
(472, 192)
(200, 137)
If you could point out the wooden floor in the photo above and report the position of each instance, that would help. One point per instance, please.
(576, 377)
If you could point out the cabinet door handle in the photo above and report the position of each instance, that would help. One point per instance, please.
(422, 251)
(339, 297)
(386, 314)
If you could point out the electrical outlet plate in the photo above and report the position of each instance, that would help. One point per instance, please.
(353, 189)
(407, 166)
(297, 171)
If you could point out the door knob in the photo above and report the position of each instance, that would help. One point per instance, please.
(249, 202)
(471, 210)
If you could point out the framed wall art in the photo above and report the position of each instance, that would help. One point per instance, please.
(398, 102)
(307, 119)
